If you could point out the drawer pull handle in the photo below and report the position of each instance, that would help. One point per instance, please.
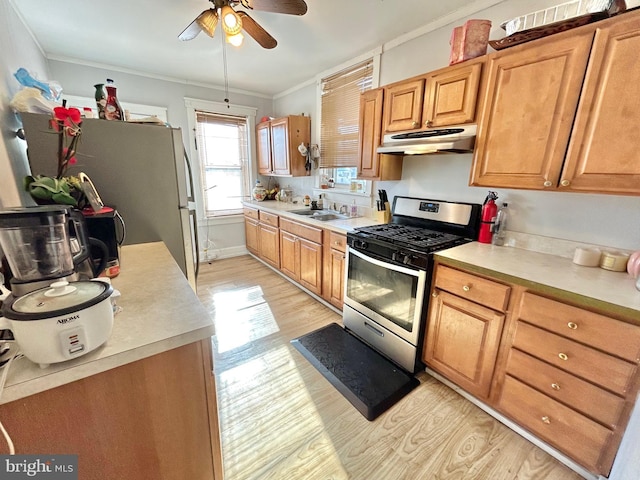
(563, 356)
(546, 420)
(572, 326)
(466, 288)
(555, 386)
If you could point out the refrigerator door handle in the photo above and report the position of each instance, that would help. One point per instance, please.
(191, 194)
(197, 242)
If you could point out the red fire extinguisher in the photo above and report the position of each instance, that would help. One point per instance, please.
(489, 212)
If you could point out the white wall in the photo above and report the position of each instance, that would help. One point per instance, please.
(608, 220)
(17, 49)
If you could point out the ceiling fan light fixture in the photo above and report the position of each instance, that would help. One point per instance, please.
(235, 40)
(231, 22)
(207, 21)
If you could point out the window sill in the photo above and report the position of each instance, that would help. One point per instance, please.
(341, 191)
(222, 220)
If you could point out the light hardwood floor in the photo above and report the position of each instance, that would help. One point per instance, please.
(280, 419)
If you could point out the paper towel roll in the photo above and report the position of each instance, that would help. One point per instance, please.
(614, 261)
(587, 257)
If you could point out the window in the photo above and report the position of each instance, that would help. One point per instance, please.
(222, 145)
(340, 106)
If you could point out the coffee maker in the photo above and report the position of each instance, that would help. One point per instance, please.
(45, 244)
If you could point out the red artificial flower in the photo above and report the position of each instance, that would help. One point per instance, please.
(67, 115)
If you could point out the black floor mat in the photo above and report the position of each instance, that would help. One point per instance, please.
(367, 379)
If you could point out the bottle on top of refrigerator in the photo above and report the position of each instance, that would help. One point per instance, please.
(112, 110)
(101, 99)
(499, 225)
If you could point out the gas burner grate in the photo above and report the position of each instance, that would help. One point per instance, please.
(407, 235)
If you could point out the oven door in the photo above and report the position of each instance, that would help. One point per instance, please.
(388, 294)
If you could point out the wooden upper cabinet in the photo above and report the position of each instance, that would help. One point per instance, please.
(373, 165)
(528, 111)
(604, 146)
(370, 132)
(403, 105)
(278, 142)
(559, 112)
(451, 95)
(263, 132)
(444, 97)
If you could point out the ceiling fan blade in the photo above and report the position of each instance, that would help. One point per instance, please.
(205, 22)
(258, 33)
(291, 7)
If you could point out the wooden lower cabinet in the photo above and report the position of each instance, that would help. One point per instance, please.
(262, 236)
(153, 418)
(463, 336)
(269, 241)
(301, 254)
(334, 263)
(565, 373)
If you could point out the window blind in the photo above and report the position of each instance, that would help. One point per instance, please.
(340, 104)
(222, 145)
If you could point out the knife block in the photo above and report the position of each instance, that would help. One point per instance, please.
(384, 216)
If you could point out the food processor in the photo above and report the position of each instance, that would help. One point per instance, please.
(39, 248)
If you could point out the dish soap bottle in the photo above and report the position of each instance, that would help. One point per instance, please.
(354, 209)
(112, 110)
(499, 225)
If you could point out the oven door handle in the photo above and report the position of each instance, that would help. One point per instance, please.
(390, 266)
(374, 329)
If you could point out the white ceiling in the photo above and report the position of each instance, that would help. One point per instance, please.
(142, 36)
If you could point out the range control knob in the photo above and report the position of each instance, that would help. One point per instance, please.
(361, 244)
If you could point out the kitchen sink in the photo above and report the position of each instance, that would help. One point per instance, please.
(321, 215)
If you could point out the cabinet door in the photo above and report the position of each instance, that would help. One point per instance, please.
(310, 265)
(528, 111)
(280, 146)
(403, 105)
(336, 280)
(289, 264)
(603, 152)
(264, 148)
(451, 96)
(251, 235)
(462, 342)
(269, 242)
(370, 133)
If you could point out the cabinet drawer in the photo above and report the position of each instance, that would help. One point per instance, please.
(572, 433)
(477, 289)
(251, 213)
(305, 231)
(582, 396)
(619, 338)
(587, 363)
(337, 241)
(269, 218)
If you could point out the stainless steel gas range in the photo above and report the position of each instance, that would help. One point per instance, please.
(388, 273)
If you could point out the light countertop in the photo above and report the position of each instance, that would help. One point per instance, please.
(284, 210)
(160, 312)
(613, 292)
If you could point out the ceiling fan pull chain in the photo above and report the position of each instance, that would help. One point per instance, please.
(226, 78)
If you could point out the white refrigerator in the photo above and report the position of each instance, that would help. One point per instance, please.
(141, 170)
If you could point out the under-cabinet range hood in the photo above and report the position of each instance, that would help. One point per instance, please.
(454, 139)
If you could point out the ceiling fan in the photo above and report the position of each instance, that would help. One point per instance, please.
(234, 21)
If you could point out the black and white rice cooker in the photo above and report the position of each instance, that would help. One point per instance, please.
(60, 322)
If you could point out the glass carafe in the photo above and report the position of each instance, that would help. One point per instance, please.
(36, 243)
